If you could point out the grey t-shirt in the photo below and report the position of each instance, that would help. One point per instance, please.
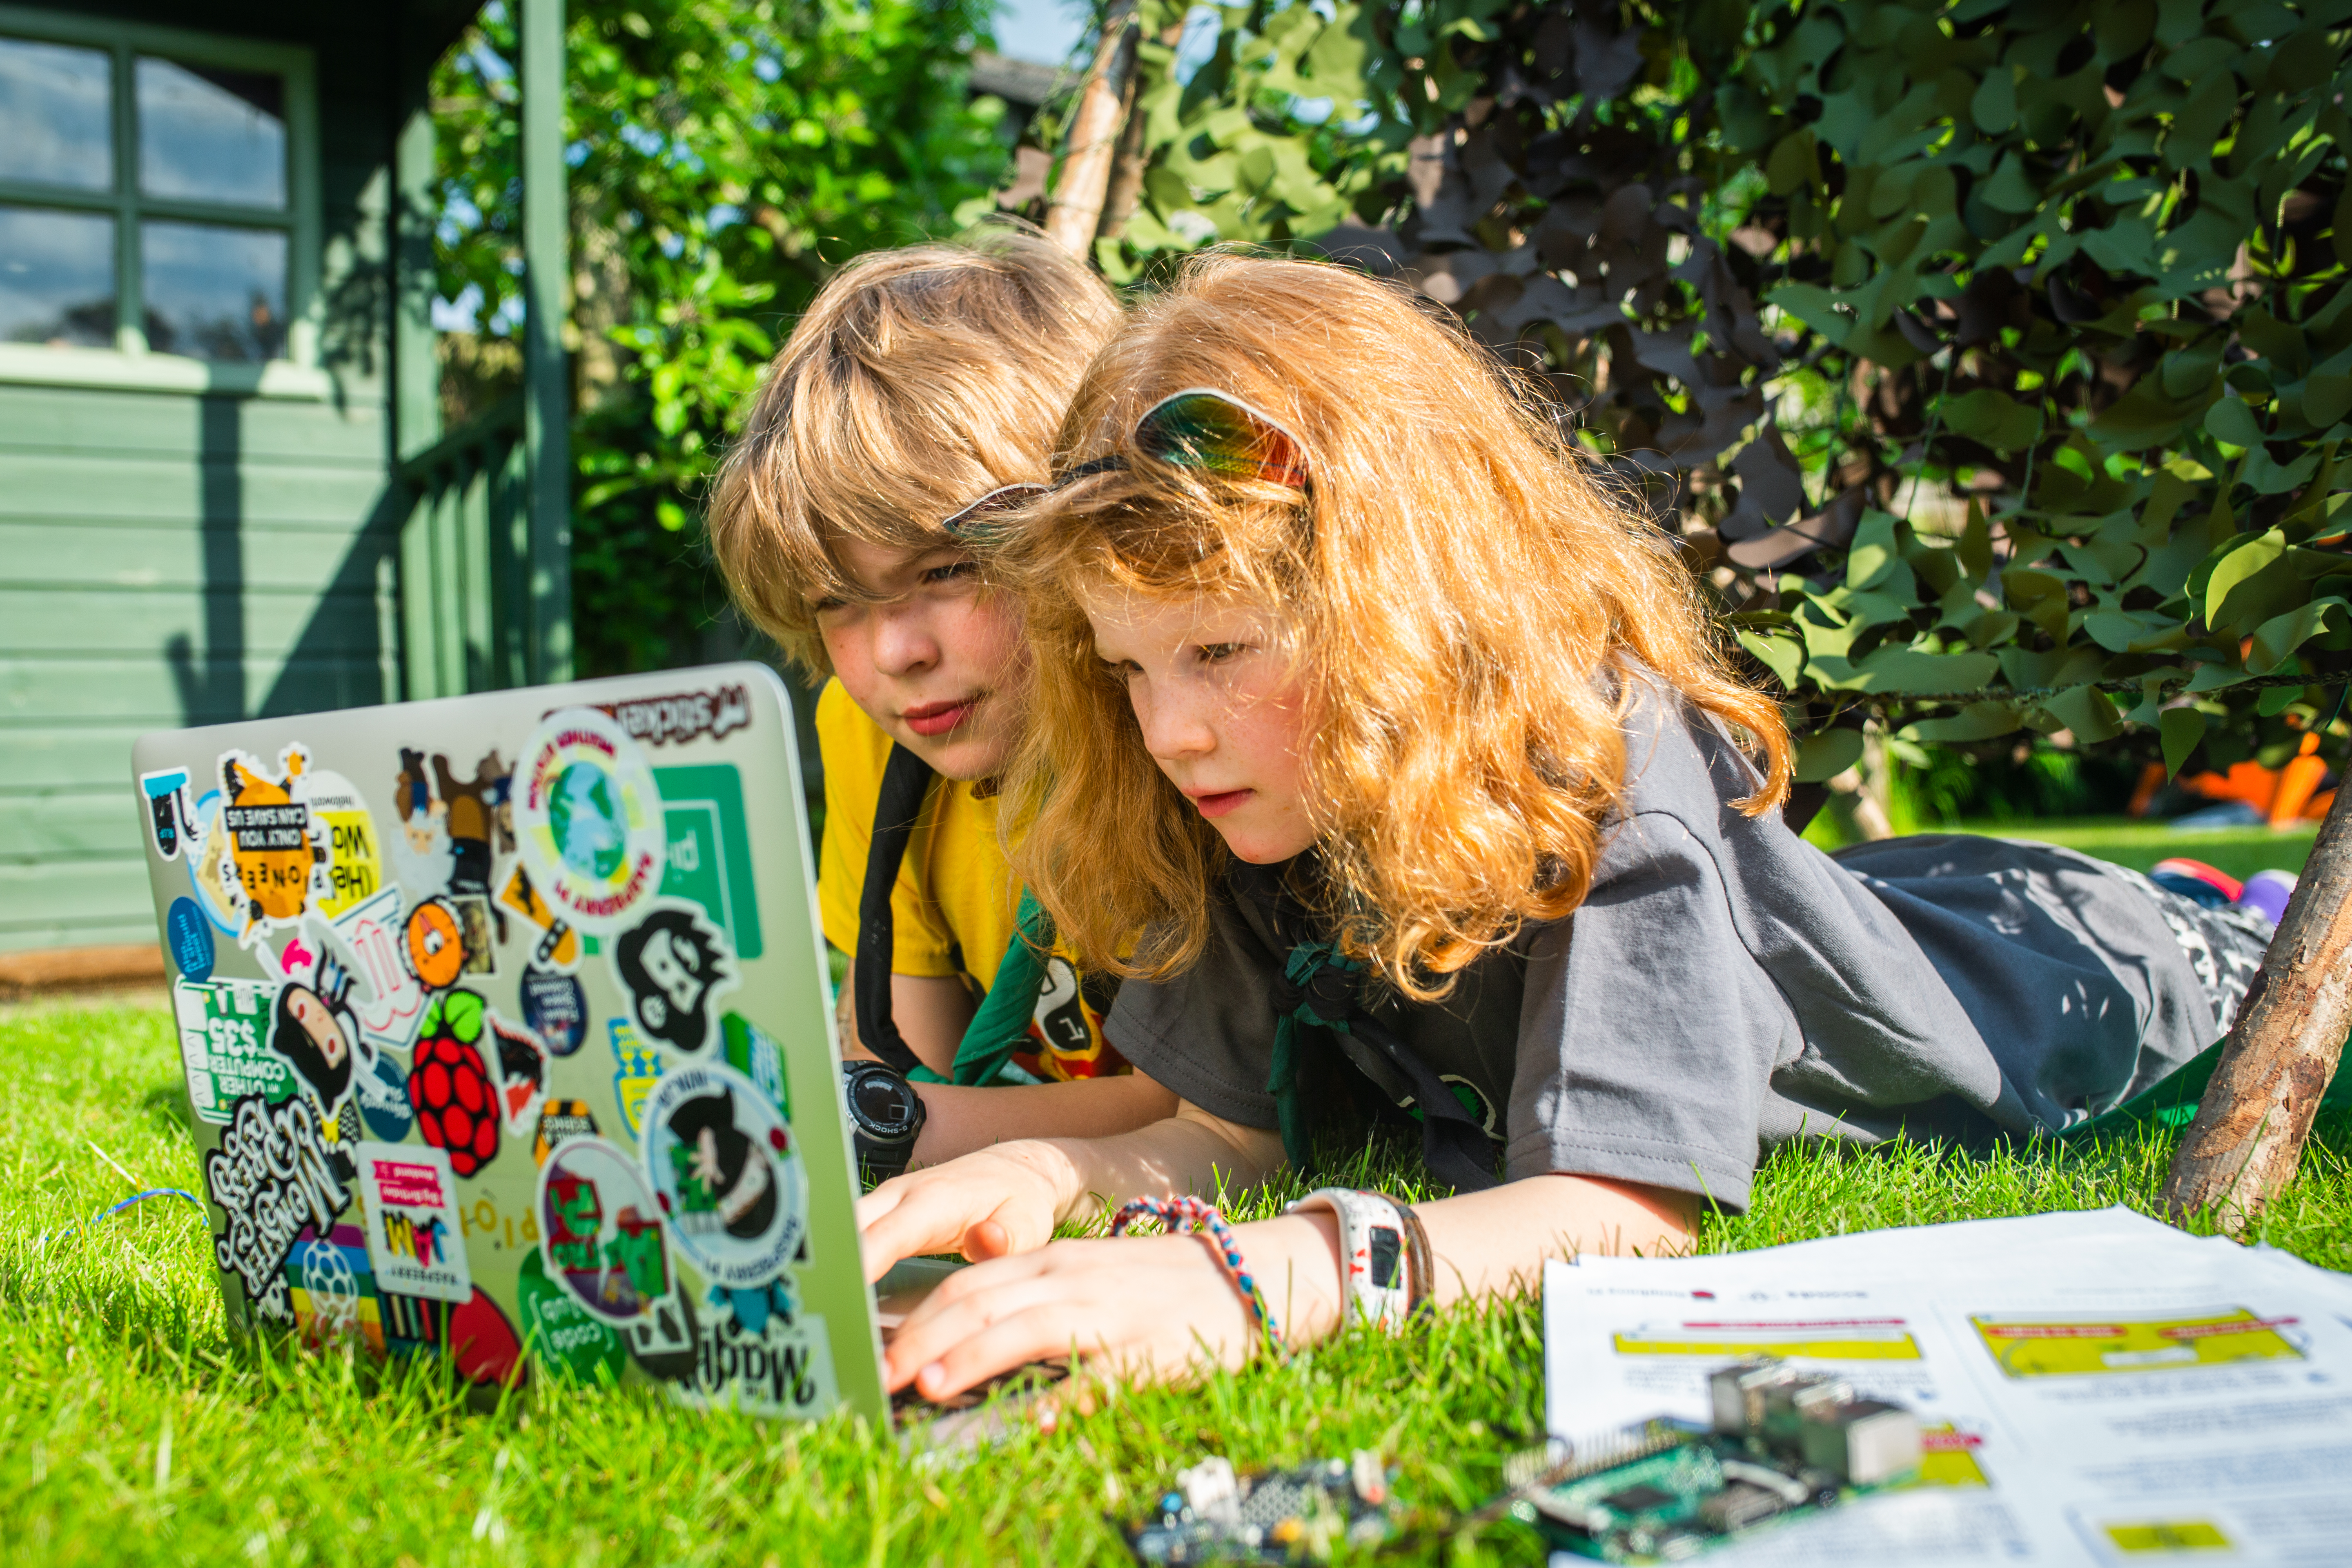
(1726, 986)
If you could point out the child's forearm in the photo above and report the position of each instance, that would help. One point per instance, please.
(961, 1118)
(1189, 1152)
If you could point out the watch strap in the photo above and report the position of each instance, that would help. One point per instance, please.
(1375, 1254)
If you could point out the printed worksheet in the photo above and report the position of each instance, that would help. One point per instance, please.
(2091, 1388)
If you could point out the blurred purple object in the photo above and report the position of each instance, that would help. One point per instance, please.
(2266, 895)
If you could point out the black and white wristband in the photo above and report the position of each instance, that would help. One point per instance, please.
(886, 1115)
(1382, 1253)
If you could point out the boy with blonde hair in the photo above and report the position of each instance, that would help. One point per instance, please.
(920, 390)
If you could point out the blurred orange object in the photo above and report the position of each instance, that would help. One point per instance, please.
(2283, 796)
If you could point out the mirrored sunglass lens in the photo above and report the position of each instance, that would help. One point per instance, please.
(996, 500)
(1204, 432)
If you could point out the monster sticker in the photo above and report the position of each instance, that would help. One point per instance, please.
(608, 1245)
(556, 1009)
(672, 965)
(636, 1068)
(449, 1083)
(558, 944)
(171, 818)
(354, 857)
(522, 1063)
(271, 1176)
(368, 940)
(279, 864)
(710, 851)
(412, 1238)
(559, 1123)
(588, 820)
(332, 1287)
(436, 945)
(561, 1335)
(224, 1026)
(723, 1164)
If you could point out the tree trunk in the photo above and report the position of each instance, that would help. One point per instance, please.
(1078, 199)
(1127, 165)
(2277, 1061)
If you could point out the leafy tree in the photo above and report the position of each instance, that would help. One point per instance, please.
(1994, 356)
(724, 158)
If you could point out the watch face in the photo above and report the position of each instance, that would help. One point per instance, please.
(882, 1104)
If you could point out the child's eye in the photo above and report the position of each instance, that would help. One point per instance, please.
(1219, 652)
(827, 606)
(950, 571)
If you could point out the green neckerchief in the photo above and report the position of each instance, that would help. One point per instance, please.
(1306, 960)
(1002, 1026)
(2171, 1101)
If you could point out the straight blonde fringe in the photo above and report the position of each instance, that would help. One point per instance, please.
(1460, 591)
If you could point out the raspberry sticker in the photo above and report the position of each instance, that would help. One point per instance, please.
(449, 1083)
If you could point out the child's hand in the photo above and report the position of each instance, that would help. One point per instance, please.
(984, 1205)
(1145, 1308)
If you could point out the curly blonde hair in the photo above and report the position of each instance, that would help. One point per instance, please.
(918, 380)
(1458, 590)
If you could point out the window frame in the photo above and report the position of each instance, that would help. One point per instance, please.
(130, 362)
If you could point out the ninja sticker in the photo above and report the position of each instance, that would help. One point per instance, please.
(312, 1026)
(223, 1026)
(606, 1242)
(722, 1163)
(672, 965)
(171, 816)
(413, 1236)
(274, 853)
(272, 1176)
(588, 820)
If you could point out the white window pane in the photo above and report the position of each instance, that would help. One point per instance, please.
(56, 279)
(212, 135)
(214, 293)
(54, 115)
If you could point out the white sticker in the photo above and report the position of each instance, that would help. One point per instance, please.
(722, 1163)
(588, 820)
(413, 1236)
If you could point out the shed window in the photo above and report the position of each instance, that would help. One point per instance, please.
(151, 198)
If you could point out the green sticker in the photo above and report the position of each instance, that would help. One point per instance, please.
(224, 1028)
(710, 851)
(564, 1338)
(753, 1052)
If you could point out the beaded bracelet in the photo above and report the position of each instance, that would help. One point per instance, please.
(1188, 1216)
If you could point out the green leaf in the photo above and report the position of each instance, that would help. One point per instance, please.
(2238, 566)
(1994, 105)
(1995, 418)
(2275, 640)
(1978, 722)
(1893, 670)
(2183, 731)
(1827, 753)
(1784, 657)
(2086, 710)
(2231, 421)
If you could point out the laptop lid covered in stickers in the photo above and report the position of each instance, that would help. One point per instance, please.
(506, 1030)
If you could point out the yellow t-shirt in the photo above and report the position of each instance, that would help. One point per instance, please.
(953, 909)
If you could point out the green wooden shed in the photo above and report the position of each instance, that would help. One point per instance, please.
(225, 489)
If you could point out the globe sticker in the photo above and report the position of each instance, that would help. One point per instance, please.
(730, 1181)
(588, 819)
(606, 1242)
(672, 965)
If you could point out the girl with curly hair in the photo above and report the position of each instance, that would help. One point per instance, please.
(1416, 758)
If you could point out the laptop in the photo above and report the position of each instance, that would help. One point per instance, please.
(506, 1027)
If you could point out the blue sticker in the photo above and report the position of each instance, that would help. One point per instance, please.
(190, 937)
(384, 1100)
(555, 1009)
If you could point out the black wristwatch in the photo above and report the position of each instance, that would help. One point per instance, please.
(884, 1115)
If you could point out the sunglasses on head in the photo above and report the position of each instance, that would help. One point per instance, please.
(1214, 433)
(1003, 498)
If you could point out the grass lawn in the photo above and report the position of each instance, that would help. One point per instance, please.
(132, 1430)
(2126, 841)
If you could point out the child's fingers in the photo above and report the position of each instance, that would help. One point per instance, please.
(988, 1239)
(1037, 1333)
